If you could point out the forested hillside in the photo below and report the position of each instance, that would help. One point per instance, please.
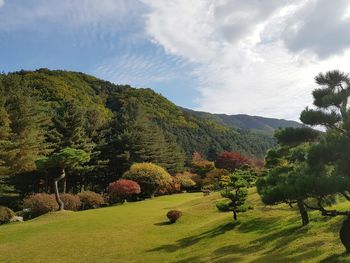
(247, 122)
(44, 111)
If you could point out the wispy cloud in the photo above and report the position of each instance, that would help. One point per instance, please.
(86, 21)
(256, 57)
(141, 69)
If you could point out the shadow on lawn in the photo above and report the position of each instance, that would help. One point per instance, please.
(189, 241)
(273, 244)
(336, 258)
(166, 223)
(279, 240)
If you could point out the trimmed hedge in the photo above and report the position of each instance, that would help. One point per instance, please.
(90, 200)
(39, 204)
(122, 189)
(173, 215)
(152, 178)
(71, 202)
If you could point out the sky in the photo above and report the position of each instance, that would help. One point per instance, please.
(222, 56)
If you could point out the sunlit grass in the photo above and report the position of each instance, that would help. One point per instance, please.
(138, 232)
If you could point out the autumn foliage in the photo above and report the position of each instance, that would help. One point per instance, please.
(173, 215)
(122, 189)
(231, 161)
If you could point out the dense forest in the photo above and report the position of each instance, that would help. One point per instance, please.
(44, 111)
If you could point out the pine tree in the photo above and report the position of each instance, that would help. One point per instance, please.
(236, 191)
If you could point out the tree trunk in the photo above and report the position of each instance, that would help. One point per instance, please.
(64, 185)
(303, 213)
(344, 234)
(57, 194)
(234, 215)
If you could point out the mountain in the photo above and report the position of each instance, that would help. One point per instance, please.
(247, 122)
(102, 106)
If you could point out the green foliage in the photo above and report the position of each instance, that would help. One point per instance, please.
(151, 177)
(6, 214)
(236, 192)
(295, 136)
(185, 180)
(202, 167)
(44, 111)
(67, 157)
(213, 178)
(223, 205)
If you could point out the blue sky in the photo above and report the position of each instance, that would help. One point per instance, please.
(223, 56)
(115, 49)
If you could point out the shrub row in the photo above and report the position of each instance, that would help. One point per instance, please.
(39, 204)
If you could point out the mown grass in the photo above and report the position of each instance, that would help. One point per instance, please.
(139, 232)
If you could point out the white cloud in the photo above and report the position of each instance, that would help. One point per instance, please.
(251, 55)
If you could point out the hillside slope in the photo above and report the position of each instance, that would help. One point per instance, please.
(247, 122)
(101, 100)
(138, 232)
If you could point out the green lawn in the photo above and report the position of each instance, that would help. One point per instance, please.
(137, 232)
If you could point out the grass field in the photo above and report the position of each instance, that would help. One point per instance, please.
(138, 232)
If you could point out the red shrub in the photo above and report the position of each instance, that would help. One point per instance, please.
(173, 215)
(231, 161)
(122, 189)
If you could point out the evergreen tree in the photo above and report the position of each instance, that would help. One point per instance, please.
(67, 158)
(236, 191)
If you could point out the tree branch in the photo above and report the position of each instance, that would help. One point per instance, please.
(325, 212)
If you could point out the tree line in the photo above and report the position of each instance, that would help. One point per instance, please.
(46, 114)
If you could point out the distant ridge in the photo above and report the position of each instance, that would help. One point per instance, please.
(247, 122)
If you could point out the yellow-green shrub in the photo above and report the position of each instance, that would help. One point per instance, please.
(151, 177)
(185, 180)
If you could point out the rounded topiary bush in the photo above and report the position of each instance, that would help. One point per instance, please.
(39, 204)
(173, 215)
(151, 177)
(90, 200)
(122, 189)
(71, 202)
(223, 206)
(6, 214)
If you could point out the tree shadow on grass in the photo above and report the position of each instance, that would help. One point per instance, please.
(236, 253)
(280, 242)
(338, 258)
(259, 225)
(165, 223)
(190, 260)
(189, 241)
